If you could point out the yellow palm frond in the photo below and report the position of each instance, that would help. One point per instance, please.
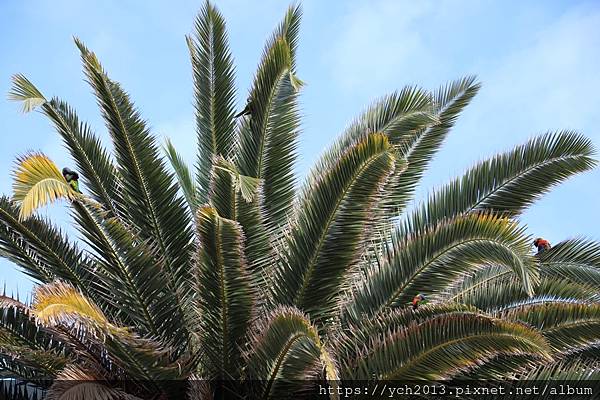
(38, 182)
(60, 303)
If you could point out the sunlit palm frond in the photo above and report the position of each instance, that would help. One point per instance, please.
(38, 182)
(25, 92)
(60, 304)
(93, 161)
(27, 350)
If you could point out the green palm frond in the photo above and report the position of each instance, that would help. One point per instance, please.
(425, 261)
(92, 159)
(285, 354)
(268, 138)
(566, 324)
(399, 115)
(354, 335)
(41, 249)
(245, 186)
(325, 238)
(574, 260)
(438, 347)
(448, 102)
(184, 176)
(510, 182)
(214, 89)
(130, 281)
(38, 182)
(27, 350)
(560, 371)
(492, 287)
(154, 206)
(225, 298)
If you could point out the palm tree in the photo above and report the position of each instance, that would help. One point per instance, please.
(230, 275)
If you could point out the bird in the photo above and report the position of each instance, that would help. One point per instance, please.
(542, 245)
(246, 111)
(418, 300)
(72, 179)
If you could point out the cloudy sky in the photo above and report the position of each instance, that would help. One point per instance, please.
(538, 62)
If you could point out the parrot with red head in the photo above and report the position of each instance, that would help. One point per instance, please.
(542, 245)
(418, 300)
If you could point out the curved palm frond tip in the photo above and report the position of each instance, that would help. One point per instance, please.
(231, 272)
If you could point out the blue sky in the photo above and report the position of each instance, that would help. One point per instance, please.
(538, 62)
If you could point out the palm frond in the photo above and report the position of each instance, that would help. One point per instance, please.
(41, 249)
(438, 347)
(325, 238)
(574, 260)
(214, 89)
(225, 299)
(399, 115)
(427, 260)
(131, 283)
(93, 161)
(58, 303)
(561, 371)
(38, 182)
(566, 324)
(268, 139)
(26, 93)
(285, 354)
(245, 186)
(27, 350)
(419, 149)
(508, 183)
(184, 175)
(153, 204)
(75, 382)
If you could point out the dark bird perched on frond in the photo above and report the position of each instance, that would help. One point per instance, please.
(418, 300)
(72, 178)
(246, 111)
(542, 245)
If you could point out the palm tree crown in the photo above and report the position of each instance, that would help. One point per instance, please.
(232, 273)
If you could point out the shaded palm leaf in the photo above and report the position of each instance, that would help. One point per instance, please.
(225, 298)
(184, 175)
(285, 354)
(40, 248)
(438, 347)
(214, 89)
(510, 182)
(425, 262)
(325, 238)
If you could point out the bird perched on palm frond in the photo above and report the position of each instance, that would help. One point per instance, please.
(542, 245)
(72, 179)
(246, 111)
(418, 300)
